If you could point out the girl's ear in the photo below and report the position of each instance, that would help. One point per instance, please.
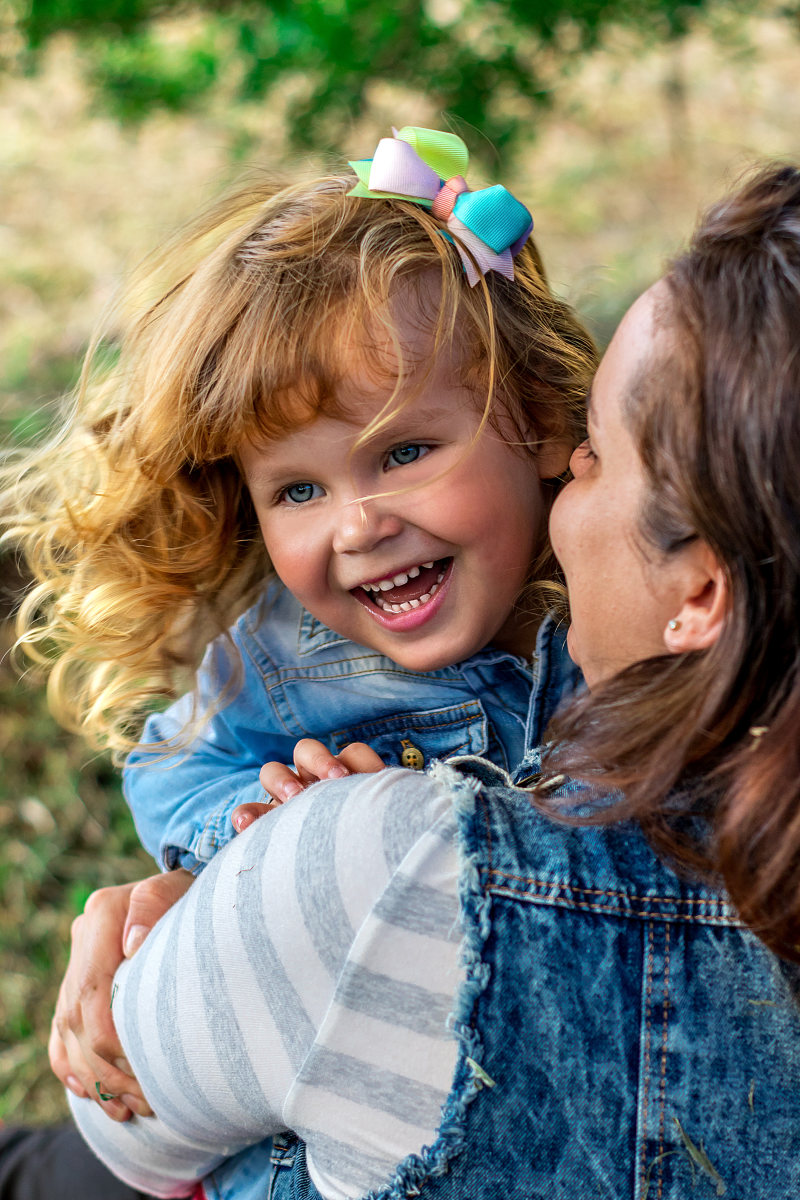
(552, 458)
(705, 605)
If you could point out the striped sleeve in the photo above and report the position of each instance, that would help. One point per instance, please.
(304, 983)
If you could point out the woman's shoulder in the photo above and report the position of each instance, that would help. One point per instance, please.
(548, 839)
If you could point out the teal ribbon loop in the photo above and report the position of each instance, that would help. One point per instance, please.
(495, 216)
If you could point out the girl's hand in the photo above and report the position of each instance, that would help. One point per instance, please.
(313, 762)
(84, 1048)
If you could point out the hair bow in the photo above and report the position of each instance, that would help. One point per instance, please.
(428, 166)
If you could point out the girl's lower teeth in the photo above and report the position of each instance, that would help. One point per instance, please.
(407, 605)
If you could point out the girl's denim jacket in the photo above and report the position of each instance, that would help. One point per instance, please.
(300, 679)
(622, 1035)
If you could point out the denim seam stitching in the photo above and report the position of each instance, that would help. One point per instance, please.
(618, 910)
(663, 1080)
(469, 707)
(364, 664)
(604, 891)
(646, 1081)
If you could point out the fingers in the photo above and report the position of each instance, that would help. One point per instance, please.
(88, 1075)
(361, 759)
(84, 1047)
(313, 761)
(85, 1051)
(278, 781)
(245, 814)
(149, 900)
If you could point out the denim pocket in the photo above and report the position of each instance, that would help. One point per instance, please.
(415, 739)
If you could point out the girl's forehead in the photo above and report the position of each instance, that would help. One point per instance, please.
(369, 392)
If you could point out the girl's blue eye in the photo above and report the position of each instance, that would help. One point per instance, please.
(401, 456)
(300, 493)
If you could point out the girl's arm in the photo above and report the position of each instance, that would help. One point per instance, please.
(84, 1047)
(236, 1009)
(182, 799)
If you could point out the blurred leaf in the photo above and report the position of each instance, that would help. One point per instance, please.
(462, 53)
(142, 72)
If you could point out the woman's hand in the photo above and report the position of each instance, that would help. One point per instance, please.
(85, 1052)
(313, 762)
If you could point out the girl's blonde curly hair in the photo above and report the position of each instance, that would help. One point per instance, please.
(133, 520)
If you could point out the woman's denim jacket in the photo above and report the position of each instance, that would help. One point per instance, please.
(622, 1036)
(300, 679)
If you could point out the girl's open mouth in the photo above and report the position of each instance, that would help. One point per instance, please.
(412, 591)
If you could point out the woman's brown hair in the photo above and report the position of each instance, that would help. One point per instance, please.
(716, 419)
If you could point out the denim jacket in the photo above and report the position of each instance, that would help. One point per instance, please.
(622, 1035)
(247, 1175)
(300, 679)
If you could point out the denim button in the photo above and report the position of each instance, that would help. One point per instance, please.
(412, 756)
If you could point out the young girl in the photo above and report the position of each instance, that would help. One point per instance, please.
(308, 408)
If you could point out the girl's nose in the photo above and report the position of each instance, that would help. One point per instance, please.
(363, 524)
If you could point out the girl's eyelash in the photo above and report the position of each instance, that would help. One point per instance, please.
(282, 496)
(421, 447)
(586, 448)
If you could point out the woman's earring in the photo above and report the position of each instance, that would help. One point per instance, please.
(673, 625)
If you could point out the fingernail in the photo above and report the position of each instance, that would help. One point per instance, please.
(337, 772)
(122, 1064)
(136, 935)
(136, 1104)
(76, 1087)
(292, 789)
(241, 821)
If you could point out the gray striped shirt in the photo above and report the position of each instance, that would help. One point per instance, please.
(304, 983)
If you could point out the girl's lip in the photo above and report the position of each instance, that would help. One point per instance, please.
(406, 622)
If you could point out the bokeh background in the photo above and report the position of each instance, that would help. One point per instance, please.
(615, 122)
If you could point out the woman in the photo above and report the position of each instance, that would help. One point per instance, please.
(627, 1015)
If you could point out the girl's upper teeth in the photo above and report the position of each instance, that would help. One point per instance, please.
(393, 581)
(405, 605)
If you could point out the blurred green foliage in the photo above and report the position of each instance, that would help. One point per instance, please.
(466, 54)
(65, 830)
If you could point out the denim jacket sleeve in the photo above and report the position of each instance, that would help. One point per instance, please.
(296, 679)
(182, 801)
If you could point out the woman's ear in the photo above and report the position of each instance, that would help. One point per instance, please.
(552, 458)
(705, 603)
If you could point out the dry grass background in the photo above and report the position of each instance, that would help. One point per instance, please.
(638, 137)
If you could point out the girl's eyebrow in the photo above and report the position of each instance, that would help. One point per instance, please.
(404, 419)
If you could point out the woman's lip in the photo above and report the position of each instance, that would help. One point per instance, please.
(405, 622)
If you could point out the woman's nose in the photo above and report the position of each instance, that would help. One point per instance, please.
(362, 524)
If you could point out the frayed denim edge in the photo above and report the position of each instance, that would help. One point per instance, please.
(469, 1078)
